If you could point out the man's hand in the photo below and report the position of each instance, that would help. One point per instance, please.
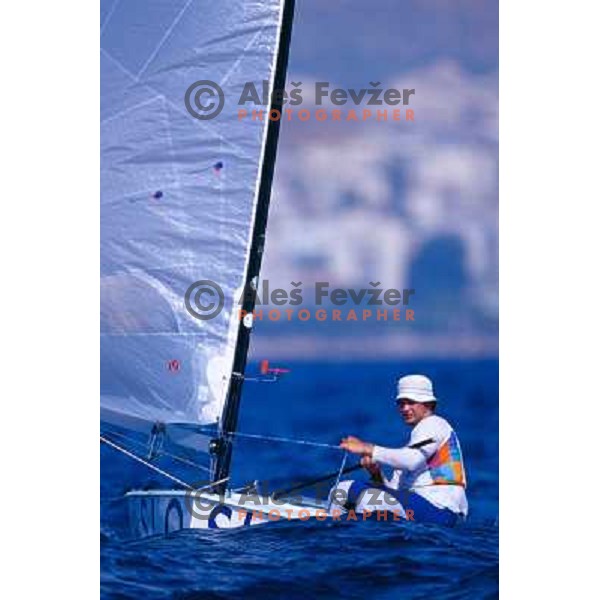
(356, 446)
(371, 466)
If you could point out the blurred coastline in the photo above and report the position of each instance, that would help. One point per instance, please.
(413, 205)
(374, 348)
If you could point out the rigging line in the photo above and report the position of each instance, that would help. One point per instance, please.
(131, 440)
(337, 480)
(311, 482)
(268, 438)
(264, 438)
(185, 461)
(146, 463)
(151, 466)
(162, 452)
(140, 444)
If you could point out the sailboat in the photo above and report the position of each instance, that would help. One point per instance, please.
(185, 190)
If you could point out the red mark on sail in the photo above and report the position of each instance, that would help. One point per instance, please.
(174, 365)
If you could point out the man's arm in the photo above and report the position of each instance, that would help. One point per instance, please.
(409, 458)
(406, 459)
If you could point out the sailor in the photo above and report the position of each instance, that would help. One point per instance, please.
(428, 481)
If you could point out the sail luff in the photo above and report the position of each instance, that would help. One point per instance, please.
(228, 424)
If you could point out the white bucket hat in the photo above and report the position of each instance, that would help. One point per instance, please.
(416, 387)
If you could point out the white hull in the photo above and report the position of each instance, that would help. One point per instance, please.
(159, 512)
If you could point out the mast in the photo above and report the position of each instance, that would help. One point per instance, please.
(222, 447)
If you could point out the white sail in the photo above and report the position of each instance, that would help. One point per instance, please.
(178, 197)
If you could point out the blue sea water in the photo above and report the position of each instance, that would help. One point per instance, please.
(322, 402)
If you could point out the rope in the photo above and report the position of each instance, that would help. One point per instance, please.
(146, 463)
(154, 468)
(185, 461)
(255, 436)
(267, 438)
(339, 475)
(140, 444)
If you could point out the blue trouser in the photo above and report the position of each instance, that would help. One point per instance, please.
(422, 510)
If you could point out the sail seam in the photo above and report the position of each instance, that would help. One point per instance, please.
(164, 38)
(172, 105)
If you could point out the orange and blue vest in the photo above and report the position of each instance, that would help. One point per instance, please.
(446, 465)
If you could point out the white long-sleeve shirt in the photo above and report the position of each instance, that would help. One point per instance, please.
(411, 470)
